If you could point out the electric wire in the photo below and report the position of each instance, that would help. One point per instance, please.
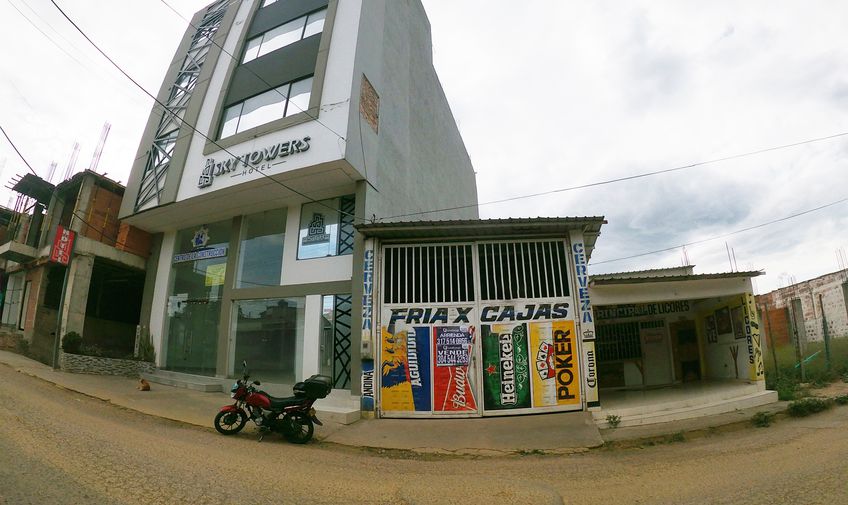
(626, 178)
(186, 123)
(725, 235)
(56, 188)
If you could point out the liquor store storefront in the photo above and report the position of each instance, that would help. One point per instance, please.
(478, 318)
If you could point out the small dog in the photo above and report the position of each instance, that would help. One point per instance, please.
(143, 385)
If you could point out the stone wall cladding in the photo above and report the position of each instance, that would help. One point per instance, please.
(77, 363)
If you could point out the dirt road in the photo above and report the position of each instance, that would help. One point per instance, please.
(61, 447)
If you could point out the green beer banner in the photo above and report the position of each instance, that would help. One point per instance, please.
(506, 377)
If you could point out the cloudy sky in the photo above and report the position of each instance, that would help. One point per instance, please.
(552, 95)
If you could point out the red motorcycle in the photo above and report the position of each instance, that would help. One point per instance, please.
(291, 416)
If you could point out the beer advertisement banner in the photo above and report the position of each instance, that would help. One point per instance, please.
(566, 363)
(556, 376)
(452, 387)
(405, 369)
(506, 378)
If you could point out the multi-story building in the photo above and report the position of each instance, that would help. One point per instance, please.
(282, 124)
(97, 293)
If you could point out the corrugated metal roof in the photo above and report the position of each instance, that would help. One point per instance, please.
(650, 272)
(488, 229)
(609, 279)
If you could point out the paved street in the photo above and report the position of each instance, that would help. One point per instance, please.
(57, 446)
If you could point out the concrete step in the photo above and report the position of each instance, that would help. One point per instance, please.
(181, 380)
(694, 400)
(676, 413)
(336, 414)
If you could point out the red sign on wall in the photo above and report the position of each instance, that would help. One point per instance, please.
(62, 246)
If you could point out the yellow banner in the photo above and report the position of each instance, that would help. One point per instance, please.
(544, 370)
(396, 389)
(215, 274)
(756, 371)
(566, 362)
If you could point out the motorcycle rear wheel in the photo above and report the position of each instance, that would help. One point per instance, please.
(300, 429)
(229, 422)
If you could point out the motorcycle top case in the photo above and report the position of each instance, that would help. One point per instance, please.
(317, 386)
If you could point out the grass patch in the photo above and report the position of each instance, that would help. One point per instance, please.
(786, 379)
(806, 406)
(841, 400)
(762, 419)
(613, 420)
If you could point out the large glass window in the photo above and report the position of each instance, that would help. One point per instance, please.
(269, 336)
(284, 35)
(286, 100)
(261, 253)
(194, 305)
(326, 228)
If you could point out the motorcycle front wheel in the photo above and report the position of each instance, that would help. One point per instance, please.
(230, 422)
(300, 428)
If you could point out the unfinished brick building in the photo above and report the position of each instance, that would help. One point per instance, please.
(106, 274)
(810, 307)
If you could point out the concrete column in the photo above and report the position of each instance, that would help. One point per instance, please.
(76, 294)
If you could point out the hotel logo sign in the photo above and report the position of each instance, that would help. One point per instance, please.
(317, 231)
(258, 160)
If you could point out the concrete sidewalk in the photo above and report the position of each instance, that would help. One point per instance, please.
(559, 433)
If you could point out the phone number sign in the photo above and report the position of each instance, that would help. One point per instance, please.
(62, 246)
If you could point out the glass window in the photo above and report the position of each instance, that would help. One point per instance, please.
(319, 229)
(231, 120)
(262, 109)
(251, 51)
(299, 97)
(326, 228)
(266, 107)
(199, 269)
(261, 253)
(315, 23)
(282, 36)
(269, 336)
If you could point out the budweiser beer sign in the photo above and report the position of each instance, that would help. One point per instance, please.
(62, 246)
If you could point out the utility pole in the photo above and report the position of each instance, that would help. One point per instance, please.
(825, 333)
(772, 343)
(798, 352)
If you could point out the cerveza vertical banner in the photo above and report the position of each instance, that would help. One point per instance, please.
(756, 371)
(586, 320)
(452, 382)
(405, 369)
(506, 367)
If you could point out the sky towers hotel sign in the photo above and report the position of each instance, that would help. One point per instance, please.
(258, 160)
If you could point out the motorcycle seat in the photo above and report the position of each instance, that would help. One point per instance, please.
(281, 403)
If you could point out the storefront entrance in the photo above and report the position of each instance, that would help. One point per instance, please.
(478, 329)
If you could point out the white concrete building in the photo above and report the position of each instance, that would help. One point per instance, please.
(287, 122)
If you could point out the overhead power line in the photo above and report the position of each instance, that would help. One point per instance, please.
(761, 225)
(626, 178)
(56, 188)
(186, 123)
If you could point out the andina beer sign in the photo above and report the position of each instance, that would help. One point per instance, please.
(259, 159)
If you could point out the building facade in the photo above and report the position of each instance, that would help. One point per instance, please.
(98, 293)
(808, 309)
(288, 122)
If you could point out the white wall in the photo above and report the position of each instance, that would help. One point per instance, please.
(159, 305)
(327, 142)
